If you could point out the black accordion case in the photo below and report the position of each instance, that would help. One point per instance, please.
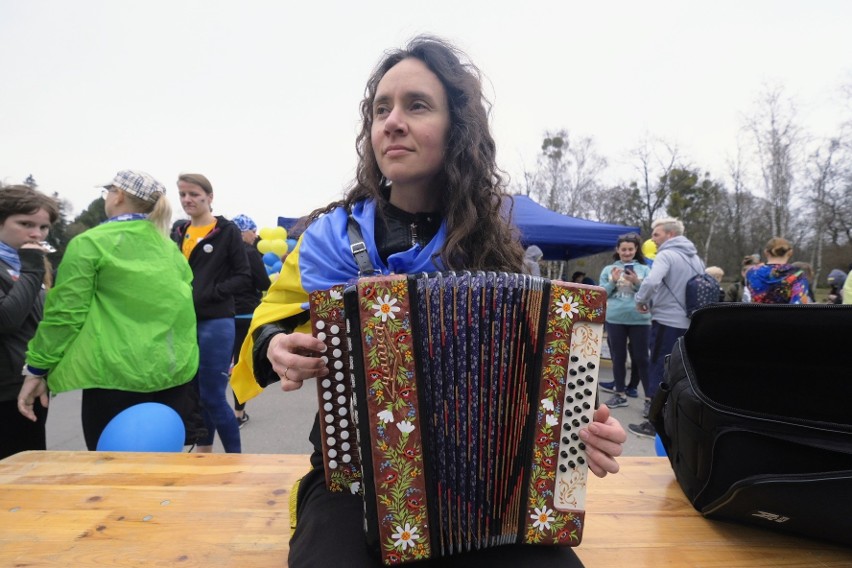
(453, 405)
(755, 414)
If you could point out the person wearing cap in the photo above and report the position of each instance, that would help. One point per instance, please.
(119, 323)
(214, 248)
(247, 299)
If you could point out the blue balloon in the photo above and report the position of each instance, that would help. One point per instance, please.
(269, 269)
(658, 446)
(291, 244)
(271, 258)
(277, 266)
(146, 427)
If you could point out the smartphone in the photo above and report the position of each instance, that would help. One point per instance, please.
(628, 267)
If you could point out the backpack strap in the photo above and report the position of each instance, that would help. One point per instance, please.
(697, 272)
(358, 248)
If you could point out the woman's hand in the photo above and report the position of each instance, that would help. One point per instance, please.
(295, 357)
(604, 439)
(615, 274)
(33, 387)
(632, 277)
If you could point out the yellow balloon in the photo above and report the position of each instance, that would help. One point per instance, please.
(278, 246)
(279, 233)
(264, 246)
(273, 233)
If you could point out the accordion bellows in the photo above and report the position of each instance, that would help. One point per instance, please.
(453, 404)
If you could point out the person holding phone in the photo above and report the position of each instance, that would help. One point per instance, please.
(624, 324)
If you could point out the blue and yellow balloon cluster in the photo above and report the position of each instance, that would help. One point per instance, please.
(274, 246)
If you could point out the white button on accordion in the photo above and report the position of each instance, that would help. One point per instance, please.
(454, 402)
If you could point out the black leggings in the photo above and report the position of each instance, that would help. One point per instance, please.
(20, 433)
(241, 327)
(102, 405)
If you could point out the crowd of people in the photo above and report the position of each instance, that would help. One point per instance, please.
(135, 316)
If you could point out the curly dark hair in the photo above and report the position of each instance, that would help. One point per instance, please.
(473, 200)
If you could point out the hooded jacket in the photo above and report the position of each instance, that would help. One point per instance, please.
(664, 290)
(220, 269)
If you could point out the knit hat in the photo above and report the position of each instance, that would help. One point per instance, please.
(244, 222)
(138, 184)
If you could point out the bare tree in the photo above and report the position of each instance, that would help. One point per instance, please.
(568, 174)
(776, 136)
(653, 161)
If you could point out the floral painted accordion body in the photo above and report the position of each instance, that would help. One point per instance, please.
(454, 402)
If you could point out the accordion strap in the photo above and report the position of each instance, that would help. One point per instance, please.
(358, 248)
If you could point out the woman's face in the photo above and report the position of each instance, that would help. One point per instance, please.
(194, 200)
(411, 120)
(626, 251)
(20, 229)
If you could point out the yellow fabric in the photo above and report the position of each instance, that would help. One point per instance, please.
(283, 300)
(193, 235)
(294, 502)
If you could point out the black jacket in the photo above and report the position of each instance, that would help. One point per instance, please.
(21, 305)
(248, 298)
(220, 269)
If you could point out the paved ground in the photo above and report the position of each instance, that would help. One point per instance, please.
(280, 422)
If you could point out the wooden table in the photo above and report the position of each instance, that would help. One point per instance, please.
(85, 509)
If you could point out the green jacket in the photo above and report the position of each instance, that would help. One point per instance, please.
(121, 314)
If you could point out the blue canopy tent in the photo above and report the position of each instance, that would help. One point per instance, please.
(560, 237)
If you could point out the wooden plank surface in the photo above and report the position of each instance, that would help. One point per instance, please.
(88, 509)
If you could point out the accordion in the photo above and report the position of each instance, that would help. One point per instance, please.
(453, 405)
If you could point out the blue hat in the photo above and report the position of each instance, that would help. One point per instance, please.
(244, 222)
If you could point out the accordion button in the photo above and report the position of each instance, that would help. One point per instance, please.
(324, 360)
(582, 369)
(590, 378)
(327, 406)
(591, 365)
(581, 445)
(587, 392)
(337, 353)
(338, 365)
(326, 395)
(574, 358)
(563, 453)
(341, 400)
(572, 386)
(331, 441)
(572, 372)
(338, 376)
(573, 451)
(344, 435)
(575, 437)
(320, 324)
(567, 427)
(332, 464)
(565, 440)
(329, 430)
(335, 329)
(562, 468)
(342, 411)
(345, 446)
(569, 399)
(581, 460)
(568, 413)
(340, 388)
(586, 405)
(329, 418)
(578, 410)
(575, 422)
(580, 382)
(571, 464)
(335, 341)
(346, 458)
(326, 383)
(332, 453)
(579, 396)
(321, 336)
(344, 423)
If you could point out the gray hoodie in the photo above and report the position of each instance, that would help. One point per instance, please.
(677, 261)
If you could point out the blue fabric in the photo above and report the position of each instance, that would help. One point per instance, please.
(663, 339)
(10, 256)
(126, 217)
(325, 258)
(215, 342)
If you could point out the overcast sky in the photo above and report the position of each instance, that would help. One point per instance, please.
(262, 96)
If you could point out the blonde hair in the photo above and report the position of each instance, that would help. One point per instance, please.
(159, 212)
(669, 225)
(715, 272)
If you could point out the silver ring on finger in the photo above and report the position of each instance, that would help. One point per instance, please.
(286, 369)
